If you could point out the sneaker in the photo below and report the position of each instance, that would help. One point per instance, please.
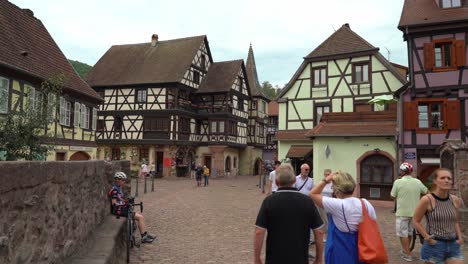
(407, 258)
(147, 239)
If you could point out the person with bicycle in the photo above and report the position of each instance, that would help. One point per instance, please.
(442, 235)
(407, 190)
(120, 206)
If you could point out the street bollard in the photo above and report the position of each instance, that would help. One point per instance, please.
(145, 184)
(152, 182)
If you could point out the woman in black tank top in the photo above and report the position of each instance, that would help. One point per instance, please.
(442, 234)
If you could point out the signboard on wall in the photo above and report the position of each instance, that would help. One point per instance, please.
(410, 155)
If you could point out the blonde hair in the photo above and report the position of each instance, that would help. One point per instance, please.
(285, 175)
(343, 182)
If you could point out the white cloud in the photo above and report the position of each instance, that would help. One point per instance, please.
(282, 32)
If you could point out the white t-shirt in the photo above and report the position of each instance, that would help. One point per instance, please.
(272, 178)
(327, 190)
(309, 184)
(144, 168)
(352, 209)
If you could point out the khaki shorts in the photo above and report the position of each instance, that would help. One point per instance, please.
(404, 226)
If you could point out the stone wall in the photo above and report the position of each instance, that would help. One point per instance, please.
(48, 209)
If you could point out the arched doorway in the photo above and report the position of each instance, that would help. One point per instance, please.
(80, 155)
(376, 177)
(227, 165)
(257, 167)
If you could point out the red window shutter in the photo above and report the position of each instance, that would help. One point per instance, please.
(460, 49)
(410, 116)
(452, 119)
(428, 56)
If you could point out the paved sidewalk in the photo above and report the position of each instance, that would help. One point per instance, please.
(215, 224)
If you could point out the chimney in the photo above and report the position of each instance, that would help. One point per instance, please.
(154, 40)
(347, 25)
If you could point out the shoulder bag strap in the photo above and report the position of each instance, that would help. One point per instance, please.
(303, 184)
(345, 220)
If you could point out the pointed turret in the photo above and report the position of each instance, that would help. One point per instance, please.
(255, 87)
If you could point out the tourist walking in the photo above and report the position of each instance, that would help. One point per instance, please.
(442, 235)
(407, 192)
(304, 183)
(144, 170)
(206, 174)
(193, 170)
(287, 217)
(272, 187)
(345, 215)
(199, 174)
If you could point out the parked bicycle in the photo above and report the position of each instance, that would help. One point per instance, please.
(132, 225)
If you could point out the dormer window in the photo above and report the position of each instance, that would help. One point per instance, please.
(451, 3)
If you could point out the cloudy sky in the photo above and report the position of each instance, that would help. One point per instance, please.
(281, 32)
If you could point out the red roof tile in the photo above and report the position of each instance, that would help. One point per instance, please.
(427, 12)
(299, 151)
(355, 124)
(26, 45)
(291, 135)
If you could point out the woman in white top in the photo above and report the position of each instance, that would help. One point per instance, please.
(345, 214)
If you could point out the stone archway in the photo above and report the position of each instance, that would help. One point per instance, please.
(80, 155)
(257, 167)
(375, 175)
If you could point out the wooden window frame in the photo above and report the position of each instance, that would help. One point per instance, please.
(452, 55)
(254, 105)
(65, 112)
(85, 117)
(457, 55)
(320, 69)
(443, 102)
(441, 4)
(320, 105)
(143, 154)
(362, 64)
(203, 62)
(218, 127)
(118, 124)
(156, 124)
(139, 99)
(196, 77)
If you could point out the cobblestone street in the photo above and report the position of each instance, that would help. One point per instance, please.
(215, 224)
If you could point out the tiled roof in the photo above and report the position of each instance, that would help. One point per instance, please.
(299, 151)
(426, 12)
(252, 75)
(141, 63)
(291, 135)
(355, 124)
(27, 46)
(343, 41)
(273, 108)
(220, 77)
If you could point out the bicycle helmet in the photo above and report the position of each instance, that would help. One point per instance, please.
(120, 175)
(406, 167)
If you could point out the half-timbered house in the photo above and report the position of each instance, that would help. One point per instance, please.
(341, 75)
(168, 104)
(434, 106)
(28, 57)
(270, 151)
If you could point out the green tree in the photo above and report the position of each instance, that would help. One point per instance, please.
(21, 132)
(81, 68)
(269, 90)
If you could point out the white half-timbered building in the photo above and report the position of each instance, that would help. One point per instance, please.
(167, 103)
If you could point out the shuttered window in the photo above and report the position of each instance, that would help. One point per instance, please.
(84, 116)
(432, 115)
(4, 93)
(65, 112)
(94, 124)
(444, 55)
(77, 115)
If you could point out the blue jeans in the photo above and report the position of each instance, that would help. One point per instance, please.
(441, 251)
(206, 180)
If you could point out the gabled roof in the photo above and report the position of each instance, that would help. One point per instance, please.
(252, 76)
(427, 12)
(355, 124)
(343, 41)
(342, 44)
(27, 46)
(141, 63)
(221, 76)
